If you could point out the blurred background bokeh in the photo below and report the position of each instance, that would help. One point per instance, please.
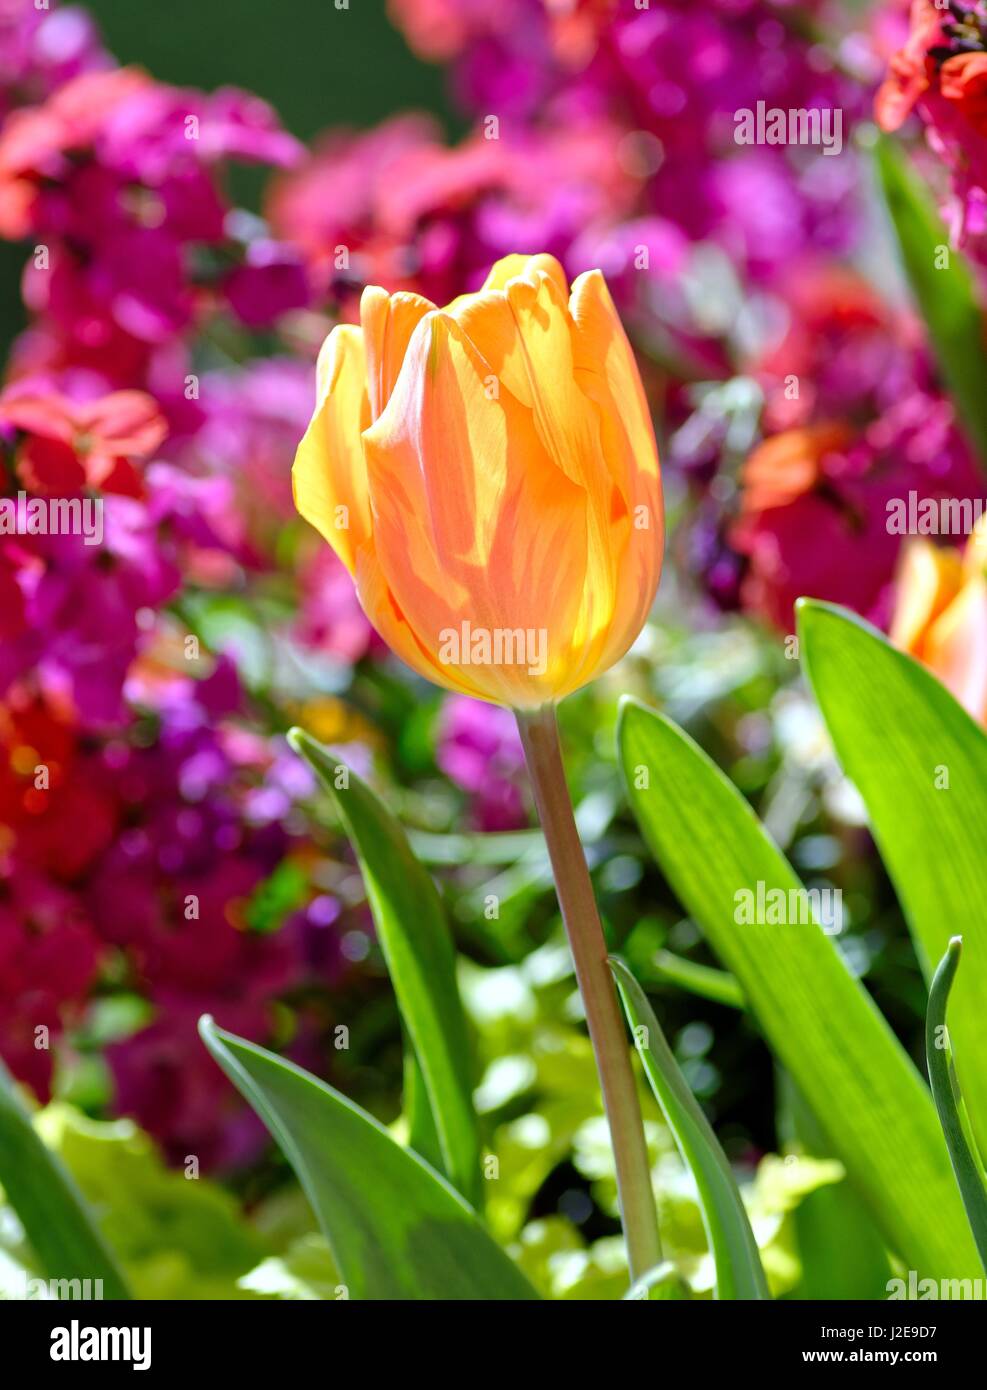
(176, 858)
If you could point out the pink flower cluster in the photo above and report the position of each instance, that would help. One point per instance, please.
(143, 800)
(141, 860)
(673, 77)
(115, 178)
(141, 814)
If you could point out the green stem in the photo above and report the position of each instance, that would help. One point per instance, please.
(540, 736)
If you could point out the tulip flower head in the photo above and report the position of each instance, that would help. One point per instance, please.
(488, 474)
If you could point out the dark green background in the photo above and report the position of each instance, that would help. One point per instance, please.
(317, 65)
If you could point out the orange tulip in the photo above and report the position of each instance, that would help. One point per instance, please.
(940, 615)
(488, 474)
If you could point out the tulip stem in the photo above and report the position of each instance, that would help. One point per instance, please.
(543, 754)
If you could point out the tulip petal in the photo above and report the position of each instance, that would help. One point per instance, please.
(956, 648)
(525, 333)
(513, 267)
(388, 321)
(383, 610)
(607, 374)
(473, 522)
(975, 554)
(329, 476)
(929, 578)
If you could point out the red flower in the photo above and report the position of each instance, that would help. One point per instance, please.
(75, 444)
(911, 70)
(963, 80)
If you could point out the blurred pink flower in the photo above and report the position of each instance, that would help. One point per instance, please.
(479, 749)
(331, 620)
(398, 207)
(42, 48)
(115, 175)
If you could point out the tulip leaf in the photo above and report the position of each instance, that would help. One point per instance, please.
(949, 1103)
(396, 1228)
(920, 764)
(870, 1101)
(842, 1254)
(739, 1274)
(703, 980)
(56, 1219)
(423, 1137)
(943, 290)
(418, 948)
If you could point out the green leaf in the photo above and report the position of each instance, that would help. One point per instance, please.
(422, 1136)
(418, 949)
(59, 1225)
(872, 1104)
(945, 295)
(703, 980)
(173, 1236)
(731, 1240)
(898, 733)
(966, 1165)
(841, 1252)
(396, 1228)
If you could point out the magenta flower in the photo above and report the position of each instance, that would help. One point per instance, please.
(478, 749)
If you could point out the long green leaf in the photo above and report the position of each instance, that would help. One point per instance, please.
(920, 764)
(966, 1165)
(418, 949)
(873, 1106)
(841, 1251)
(944, 293)
(397, 1229)
(738, 1265)
(423, 1137)
(703, 980)
(51, 1208)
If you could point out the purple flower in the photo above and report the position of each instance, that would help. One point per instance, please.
(271, 281)
(40, 49)
(480, 750)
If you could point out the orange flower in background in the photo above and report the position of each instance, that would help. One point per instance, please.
(488, 474)
(789, 464)
(940, 615)
(75, 444)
